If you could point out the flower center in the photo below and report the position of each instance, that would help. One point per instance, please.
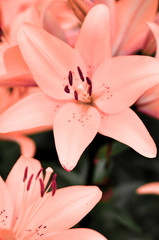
(6, 234)
(80, 87)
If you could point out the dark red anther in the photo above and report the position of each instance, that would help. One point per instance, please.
(1, 34)
(80, 73)
(42, 187)
(66, 89)
(29, 182)
(70, 78)
(89, 81)
(54, 184)
(25, 174)
(38, 174)
(76, 95)
(90, 90)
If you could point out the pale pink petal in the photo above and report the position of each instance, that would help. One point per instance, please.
(93, 42)
(17, 72)
(35, 110)
(6, 206)
(149, 102)
(51, 60)
(127, 128)
(15, 182)
(69, 206)
(27, 145)
(75, 126)
(78, 234)
(131, 19)
(155, 29)
(120, 81)
(149, 188)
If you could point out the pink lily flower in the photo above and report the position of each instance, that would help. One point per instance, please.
(149, 188)
(29, 211)
(148, 103)
(85, 91)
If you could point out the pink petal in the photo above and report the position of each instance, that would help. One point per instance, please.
(6, 206)
(78, 234)
(155, 29)
(35, 110)
(15, 182)
(75, 126)
(66, 208)
(127, 128)
(149, 188)
(93, 42)
(27, 145)
(17, 72)
(131, 33)
(120, 81)
(51, 62)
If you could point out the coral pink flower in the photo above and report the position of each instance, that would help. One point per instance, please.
(85, 91)
(149, 188)
(148, 103)
(128, 23)
(29, 211)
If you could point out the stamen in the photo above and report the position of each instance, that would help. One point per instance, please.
(90, 90)
(80, 73)
(54, 184)
(1, 34)
(70, 78)
(25, 174)
(89, 81)
(42, 187)
(76, 95)
(29, 182)
(38, 174)
(66, 89)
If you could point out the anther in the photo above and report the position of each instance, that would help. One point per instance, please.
(90, 90)
(70, 78)
(76, 95)
(25, 174)
(42, 187)
(29, 182)
(53, 184)
(80, 73)
(38, 174)
(89, 81)
(66, 89)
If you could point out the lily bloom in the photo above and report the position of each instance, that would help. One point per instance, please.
(148, 103)
(149, 188)
(29, 211)
(84, 90)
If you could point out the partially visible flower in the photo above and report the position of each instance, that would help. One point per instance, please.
(148, 103)
(149, 188)
(29, 211)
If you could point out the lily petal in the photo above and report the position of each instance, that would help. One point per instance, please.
(6, 206)
(15, 182)
(78, 234)
(51, 62)
(66, 201)
(149, 188)
(131, 33)
(127, 128)
(75, 126)
(116, 87)
(33, 111)
(93, 42)
(155, 29)
(17, 72)
(27, 145)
